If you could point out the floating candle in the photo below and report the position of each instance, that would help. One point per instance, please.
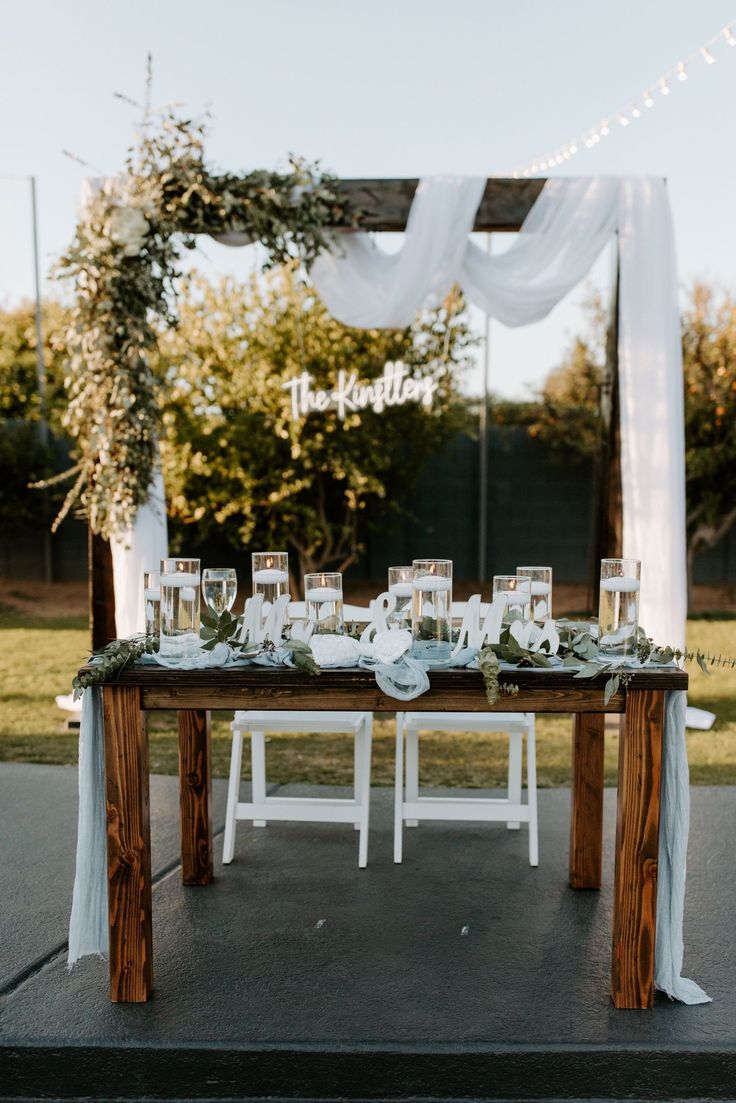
(514, 597)
(430, 582)
(320, 594)
(188, 593)
(620, 585)
(540, 589)
(180, 578)
(152, 595)
(401, 589)
(270, 576)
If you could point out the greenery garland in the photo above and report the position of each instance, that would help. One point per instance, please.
(124, 262)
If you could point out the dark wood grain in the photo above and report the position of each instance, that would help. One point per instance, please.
(195, 804)
(386, 203)
(637, 850)
(101, 591)
(451, 690)
(586, 819)
(128, 845)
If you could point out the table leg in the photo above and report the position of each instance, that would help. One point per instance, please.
(637, 850)
(195, 797)
(128, 845)
(586, 820)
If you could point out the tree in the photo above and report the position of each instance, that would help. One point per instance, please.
(24, 457)
(709, 354)
(233, 454)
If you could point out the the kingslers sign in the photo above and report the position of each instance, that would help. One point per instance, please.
(395, 387)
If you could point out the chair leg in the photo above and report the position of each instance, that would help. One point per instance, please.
(412, 771)
(233, 789)
(364, 795)
(258, 770)
(357, 760)
(515, 756)
(531, 796)
(399, 788)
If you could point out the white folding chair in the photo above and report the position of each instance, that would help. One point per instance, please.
(261, 807)
(410, 806)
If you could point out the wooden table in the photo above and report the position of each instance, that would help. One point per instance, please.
(127, 701)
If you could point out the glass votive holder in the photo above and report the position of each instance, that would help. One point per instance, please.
(179, 636)
(618, 607)
(152, 602)
(516, 593)
(400, 585)
(541, 590)
(219, 588)
(323, 595)
(431, 610)
(270, 575)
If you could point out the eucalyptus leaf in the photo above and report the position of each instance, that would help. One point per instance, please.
(611, 688)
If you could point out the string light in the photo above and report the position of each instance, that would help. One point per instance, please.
(625, 115)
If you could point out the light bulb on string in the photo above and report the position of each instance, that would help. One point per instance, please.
(707, 56)
(604, 128)
(573, 148)
(635, 112)
(729, 36)
(664, 86)
(648, 100)
(681, 71)
(623, 120)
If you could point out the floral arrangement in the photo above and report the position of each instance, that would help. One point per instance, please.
(124, 262)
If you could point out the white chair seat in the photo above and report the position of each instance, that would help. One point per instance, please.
(263, 808)
(410, 807)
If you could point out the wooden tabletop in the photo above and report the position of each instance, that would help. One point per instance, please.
(458, 690)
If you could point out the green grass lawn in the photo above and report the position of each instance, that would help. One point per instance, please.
(39, 657)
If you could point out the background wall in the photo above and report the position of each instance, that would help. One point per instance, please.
(539, 510)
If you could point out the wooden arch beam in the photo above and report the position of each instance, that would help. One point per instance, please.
(385, 203)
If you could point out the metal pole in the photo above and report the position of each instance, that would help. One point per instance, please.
(43, 427)
(483, 447)
(40, 365)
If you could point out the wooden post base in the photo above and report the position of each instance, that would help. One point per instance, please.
(195, 805)
(586, 820)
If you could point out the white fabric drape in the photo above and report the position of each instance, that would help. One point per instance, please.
(570, 223)
(135, 550)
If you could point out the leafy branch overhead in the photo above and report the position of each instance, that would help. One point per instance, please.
(123, 262)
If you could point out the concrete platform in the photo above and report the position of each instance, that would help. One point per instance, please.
(461, 974)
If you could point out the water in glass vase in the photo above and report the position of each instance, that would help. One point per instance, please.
(432, 619)
(618, 616)
(179, 615)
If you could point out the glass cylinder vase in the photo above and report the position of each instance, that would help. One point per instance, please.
(618, 607)
(152, 602)
(431, 611)
(516, 594)
(270, 575)
(400, 585)
(323, 595)
(541, 590)
(179, 637)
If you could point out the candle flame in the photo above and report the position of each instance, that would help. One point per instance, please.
(323, 581)
(269, 561)
(432, 568)
(180, 566)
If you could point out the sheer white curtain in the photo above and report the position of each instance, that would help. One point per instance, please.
(135, 550)
(570, 223)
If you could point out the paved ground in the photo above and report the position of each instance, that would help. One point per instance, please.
(461, 946)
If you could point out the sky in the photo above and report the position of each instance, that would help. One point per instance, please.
(399, 88)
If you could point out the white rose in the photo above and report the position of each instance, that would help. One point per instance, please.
(128, 226)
